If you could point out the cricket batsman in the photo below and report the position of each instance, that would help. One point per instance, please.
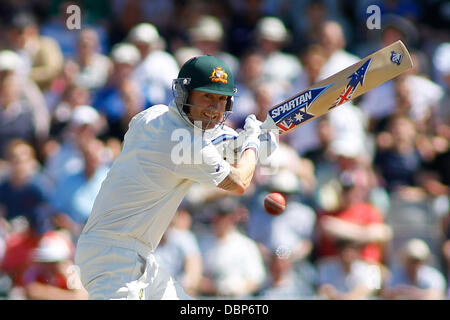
(146, 184)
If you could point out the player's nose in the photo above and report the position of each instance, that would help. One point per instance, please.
(215, 107)
(211, 112)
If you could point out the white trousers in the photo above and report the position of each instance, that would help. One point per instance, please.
(123, 269)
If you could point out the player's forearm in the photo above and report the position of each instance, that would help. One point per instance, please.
(246, 167)
(240, 176)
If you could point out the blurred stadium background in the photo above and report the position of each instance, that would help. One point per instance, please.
(367, 185)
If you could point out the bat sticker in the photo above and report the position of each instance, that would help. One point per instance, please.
(294, 120)
(356, 78)
(341, 87)
(294, 111)
(396, 57)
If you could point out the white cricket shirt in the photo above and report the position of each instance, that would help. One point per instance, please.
(145, 186)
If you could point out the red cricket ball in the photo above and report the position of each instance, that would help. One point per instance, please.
(274, 203)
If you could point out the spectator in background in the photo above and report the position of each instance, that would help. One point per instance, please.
(156, 68)
(23, 113)
(184, 53)
(74, 195)
(343, 156)
(23, 192)
(179, 253)
(272, 35)
(441, 62)
(290, 231)
(398, 159)
(414, 279)
(52, 274)
(422, 94)
(307, 16)
(113, 99)
(446, 257)
(65, 80)
(94, 66)
(441, 66)
(243, 24)
(354, 219)
(65, 158)
(350, 124)
(288, 235)
(22, 239)
(72, 97)
(349, 121)
(266, 95)
(233, 265)
(127, 14)
(207, 35)
(42, 54)
(249, 77)
(283, 281)
(346, 276)
(313, 15)
(397, 27)
(16, 116)
(321, 155)
(5, 280)
(333, 41)
(312, 59)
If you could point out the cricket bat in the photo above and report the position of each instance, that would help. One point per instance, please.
(344, 86)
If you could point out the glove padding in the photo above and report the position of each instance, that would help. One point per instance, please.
(232, 148)
(250, 135)
(268, 144)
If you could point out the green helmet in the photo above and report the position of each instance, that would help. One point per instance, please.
(203, 73)
(209, 74)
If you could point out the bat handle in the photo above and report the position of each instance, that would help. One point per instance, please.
(269, 124)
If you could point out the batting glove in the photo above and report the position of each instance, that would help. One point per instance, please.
(269, 143)
(252, 130)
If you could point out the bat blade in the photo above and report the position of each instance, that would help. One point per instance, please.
(346, 85)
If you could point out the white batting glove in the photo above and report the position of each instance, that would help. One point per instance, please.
(252, 130)
(269, 143)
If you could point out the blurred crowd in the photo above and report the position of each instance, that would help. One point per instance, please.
(367, 185)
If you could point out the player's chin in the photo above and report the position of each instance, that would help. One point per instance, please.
(211, 125)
